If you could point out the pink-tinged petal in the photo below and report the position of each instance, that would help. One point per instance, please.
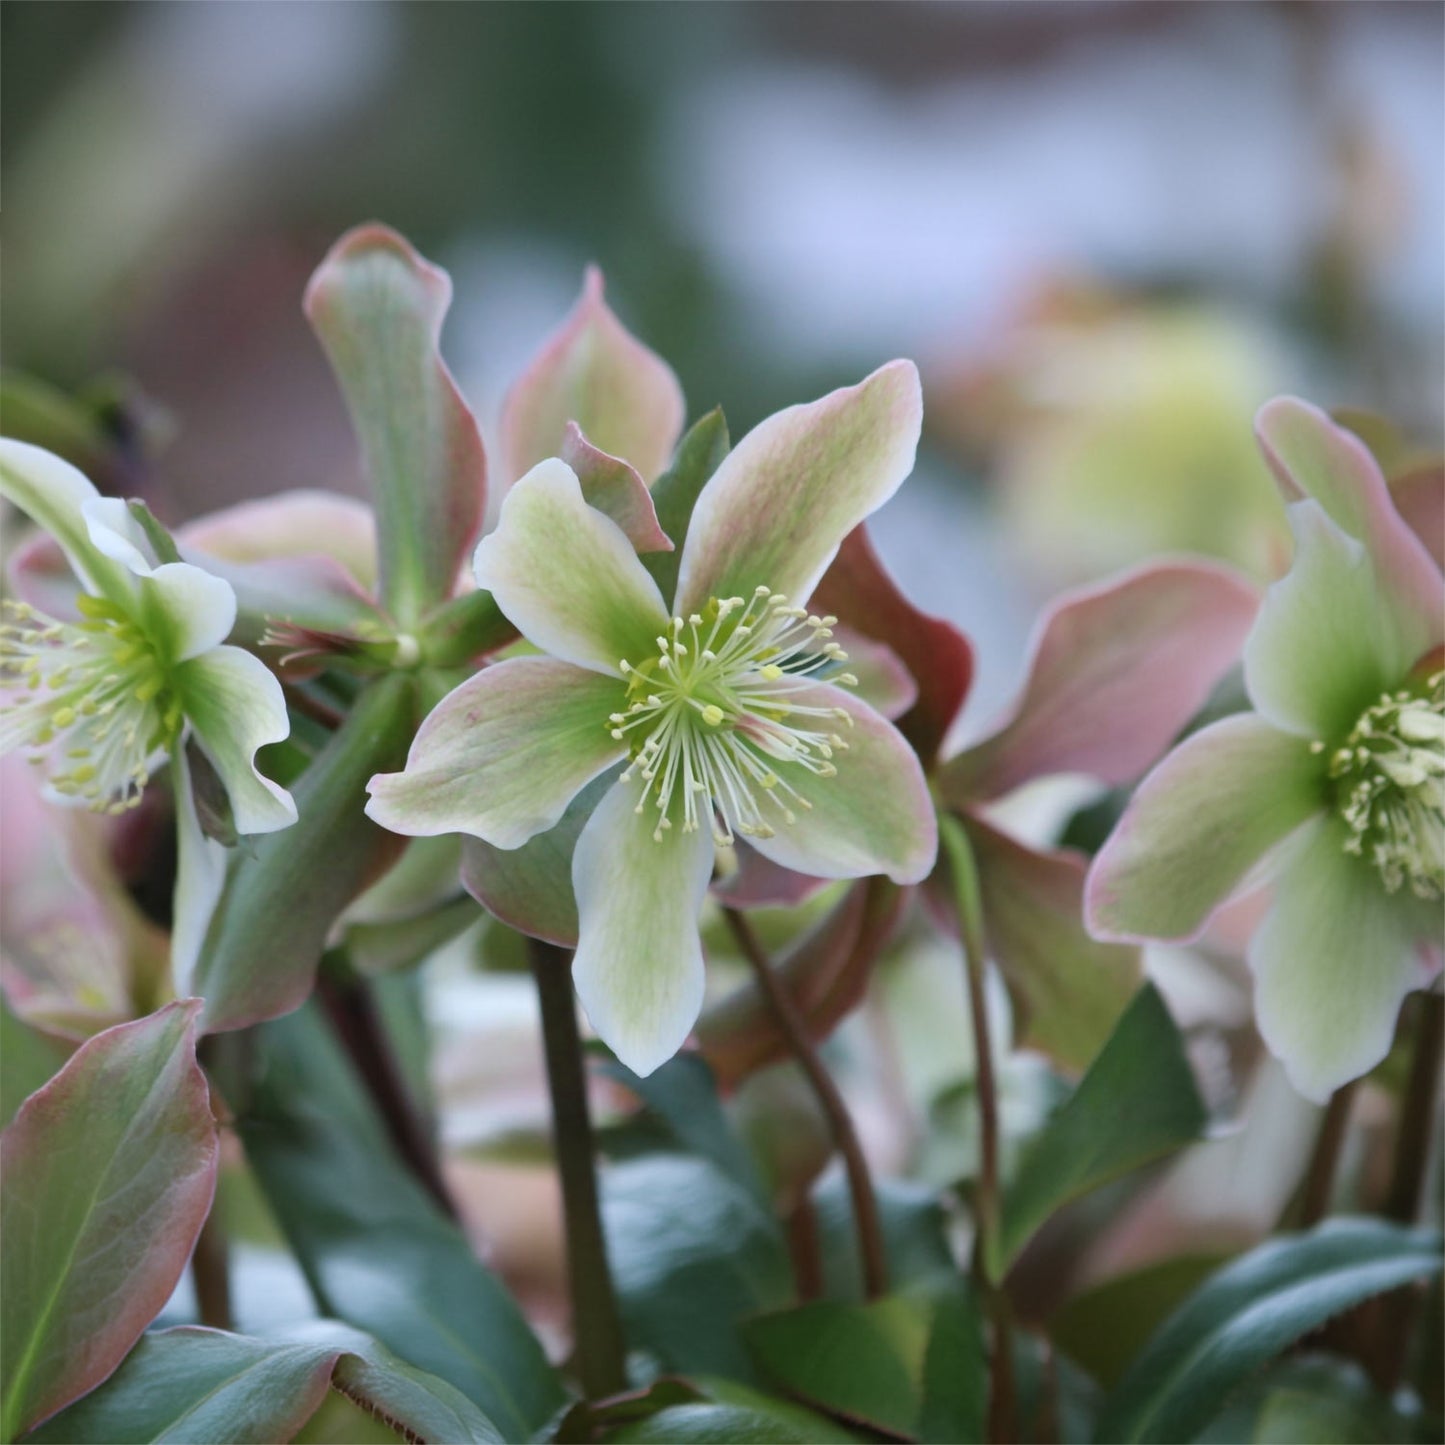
(109, 1172)
(758, 882)
(858, 589)
(875, 816)
(1116, 671)
(638, 966)
(826, 972)
(776, 511)
(501, 756)
(305, 524)
(1419, 497)
(1312, 457)
(1333, 960)
(377, 308)
(1331, 636)
(593, 371)
(1197, 826)
(613, 486)
(1068, 989)
(883, 681)
(39, 574)
(567, 577)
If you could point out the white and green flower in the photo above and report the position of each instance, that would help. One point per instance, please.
(99, 699)
(1334, 786)
(728, 709)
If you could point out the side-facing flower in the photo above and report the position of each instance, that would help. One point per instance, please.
(98, 700)
(728, 708)
(1334, 785)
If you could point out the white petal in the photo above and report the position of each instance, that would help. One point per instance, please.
(200, 876)
(186, 610)
(116, 534)
(639, 967)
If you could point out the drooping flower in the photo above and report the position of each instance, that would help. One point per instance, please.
(135, 675)
(729, 709)
(1334, 786)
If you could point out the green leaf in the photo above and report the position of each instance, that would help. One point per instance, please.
(1137, 1103)
(162, 543)
(283, 895)
(377, 308)
(200, 1386)
(683, 1094)
(692, 1253)
(734, 1413)
(907, 1365)
(1250, 1311)
(1103, 1328)
(675, 492)
(377, 1251)
(915, 1235)
(108, 1173)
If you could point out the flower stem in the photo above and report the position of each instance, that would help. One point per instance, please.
(987, 1204)
(351, 1008)
(596, 1324)
(871, 1251)
(211, 1274)
(1417, 1113)
(1319, 1179)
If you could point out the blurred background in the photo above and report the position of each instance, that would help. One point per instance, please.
(1106, 231)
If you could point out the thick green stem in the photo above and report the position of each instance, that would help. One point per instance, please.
(871, 1250)
(600, 1347)
(1002, 1411)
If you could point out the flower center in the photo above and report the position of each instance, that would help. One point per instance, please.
(90, 700)
(1390, 782)
(717, 725)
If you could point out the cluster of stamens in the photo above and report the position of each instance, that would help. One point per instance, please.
(88, 700)
(1389, 776)
(718, 731)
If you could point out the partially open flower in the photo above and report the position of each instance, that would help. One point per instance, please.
(727, 709)
(98, 700)
(1335, 785)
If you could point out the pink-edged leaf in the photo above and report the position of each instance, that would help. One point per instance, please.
(1067, 989)
(858, 589)
(826, 972)
(761, 883)
(1312, 457)
(593, 371)
(377, 308)
(1116, 671)
(614, 486)
(108, 1174)
(1419, 496)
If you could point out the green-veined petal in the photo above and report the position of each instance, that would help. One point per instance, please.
(501, 756)
(639, 967)
(1197, 826)
(567, 577)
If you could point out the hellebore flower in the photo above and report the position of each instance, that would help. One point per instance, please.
(1334, 785)
(727, 709)
(139, 672)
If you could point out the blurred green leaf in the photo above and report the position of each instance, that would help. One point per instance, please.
(377, 308)
(907, 1365)
(915, 1235)
(1138, 1102)
(283, 895)
(377, 1251)
(693, 1253)
(1103, 1328)
(108, 1173)
(734, 1413)
(675, 492)
(200, 1386)
(1251, 1310)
